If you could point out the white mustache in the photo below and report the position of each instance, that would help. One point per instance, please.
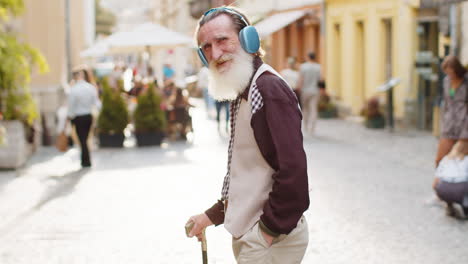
(224, 58)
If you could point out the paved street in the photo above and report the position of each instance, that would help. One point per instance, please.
(371, 202)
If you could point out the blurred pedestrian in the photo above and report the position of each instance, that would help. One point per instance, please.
(452, 180)
(179, 116)
(168, 91)
(83, 97)
(89, 78)
(219, 106)
(309, 77)
(455, 106)
(168, 72)
(291, 76)
(265, 191)
(202, 84)
(115, 76)
(454, 114)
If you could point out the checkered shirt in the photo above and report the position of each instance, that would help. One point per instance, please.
(257, 100)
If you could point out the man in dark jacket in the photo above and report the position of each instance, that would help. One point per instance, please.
(265, 190)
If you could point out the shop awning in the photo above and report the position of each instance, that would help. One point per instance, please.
(276, 22)
(437, 3)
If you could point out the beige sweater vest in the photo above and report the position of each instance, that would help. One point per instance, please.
(251, 176)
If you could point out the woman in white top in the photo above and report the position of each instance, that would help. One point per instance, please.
(83, 97)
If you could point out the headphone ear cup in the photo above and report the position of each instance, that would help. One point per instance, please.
(249, 39)
(202, 57)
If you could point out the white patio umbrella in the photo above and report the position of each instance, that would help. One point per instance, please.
(99, 48)
(143, 37)
(147, 35)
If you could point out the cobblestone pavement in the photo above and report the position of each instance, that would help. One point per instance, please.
(371, 202)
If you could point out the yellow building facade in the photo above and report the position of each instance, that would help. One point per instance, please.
(43, 25)
(367, 43)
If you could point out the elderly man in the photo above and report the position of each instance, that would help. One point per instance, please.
(265, 190)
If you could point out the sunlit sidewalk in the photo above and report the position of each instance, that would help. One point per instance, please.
(132, 205)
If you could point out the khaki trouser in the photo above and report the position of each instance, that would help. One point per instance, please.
(285, 249)
(310, 111)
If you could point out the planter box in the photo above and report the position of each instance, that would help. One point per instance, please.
(111, 141)
(378, 122)
(149, 138)
(16, 150)
(328, 114)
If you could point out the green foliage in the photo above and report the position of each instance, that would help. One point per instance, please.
(120, 85)
(10, 7)
(105, 20)
(148, 116)
(17, 60)
(21, 107)
(114, 113)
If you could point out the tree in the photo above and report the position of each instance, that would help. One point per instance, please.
(105, 20)
(17, 60)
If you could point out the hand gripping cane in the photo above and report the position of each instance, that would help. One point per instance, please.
(188, 228)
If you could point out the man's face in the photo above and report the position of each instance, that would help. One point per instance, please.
(219, 41)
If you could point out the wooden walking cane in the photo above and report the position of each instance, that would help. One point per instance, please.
(188, 228)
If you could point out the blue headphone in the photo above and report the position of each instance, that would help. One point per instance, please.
(248, 36)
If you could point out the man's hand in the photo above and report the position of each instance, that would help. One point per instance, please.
(200, 222)
(267, 237)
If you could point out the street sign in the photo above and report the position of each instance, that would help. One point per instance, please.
(424, 70)
(425, 57)
(388, 85)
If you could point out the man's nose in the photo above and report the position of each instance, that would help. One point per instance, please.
(216, 52)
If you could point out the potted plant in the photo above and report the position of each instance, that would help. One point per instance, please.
(372, 114)
(326, 109)
(113, 118)
(149, 118)
(17, 107)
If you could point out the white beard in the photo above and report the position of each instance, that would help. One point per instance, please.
(228, 85)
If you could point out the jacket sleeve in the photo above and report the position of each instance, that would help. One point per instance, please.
(277, 130)
(216, 213)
